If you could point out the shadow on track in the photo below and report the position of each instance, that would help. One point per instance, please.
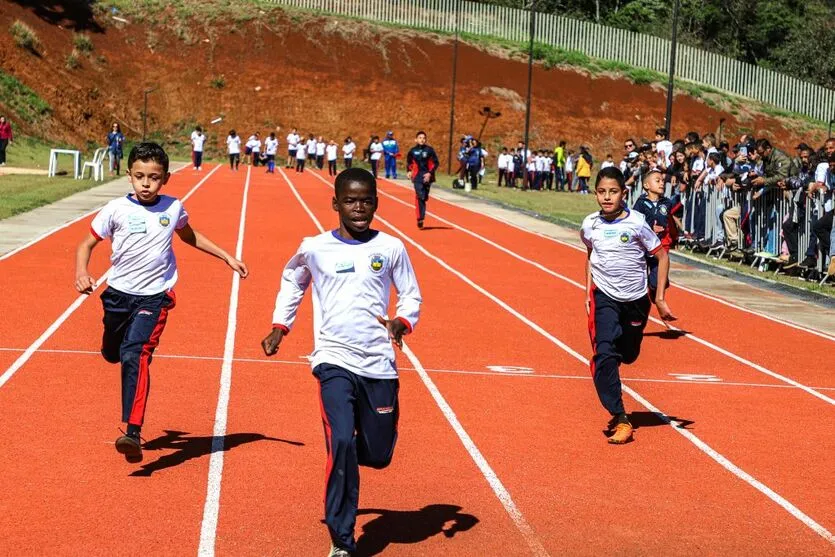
(408, 527)
(670, 334)
(187, 448)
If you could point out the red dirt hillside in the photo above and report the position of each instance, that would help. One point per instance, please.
(327, 76)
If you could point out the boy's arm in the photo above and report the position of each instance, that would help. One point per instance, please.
(84, 283)
(294, 283)
(408, 299)
(663, 273)
(195, 239)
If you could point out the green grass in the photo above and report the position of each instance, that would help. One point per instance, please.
(20, 193)
(82, 43)
(24, 36)
(28, 152)
(21, 100)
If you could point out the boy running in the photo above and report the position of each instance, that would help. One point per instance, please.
(658, 213)
(197, 141)
(422, 162)
(139, 291)
(352, 270)
(617, 304)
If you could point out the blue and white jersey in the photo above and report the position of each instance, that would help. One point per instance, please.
(390, 147)
(351, 284)
(618, 253)
(141, 237)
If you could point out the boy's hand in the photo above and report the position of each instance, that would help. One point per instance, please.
(85, 284)
(427, 177)
(238, 266)
(657, 228)
(396, 329)
(664, 311)
(588, 306)
(271, 342)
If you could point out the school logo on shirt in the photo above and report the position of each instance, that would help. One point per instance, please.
(663, 209)
(164, 220)
(624, 237)
(377, 262)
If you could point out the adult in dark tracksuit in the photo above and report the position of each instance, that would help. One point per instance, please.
(617, 303)
(422, 162)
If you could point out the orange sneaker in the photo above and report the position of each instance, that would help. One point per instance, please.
(622, 434)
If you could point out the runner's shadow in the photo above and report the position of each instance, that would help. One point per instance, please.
(187, 448)
(669, 334)
(650, 419)
(411, 526)
(436, 228)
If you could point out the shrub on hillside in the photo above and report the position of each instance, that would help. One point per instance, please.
(73, 60)
(82, 43)
(24, 36)
(218, 82)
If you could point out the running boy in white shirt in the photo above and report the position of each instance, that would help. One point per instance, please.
(618, 241)
(139, 292)
(330, 151)
(352, 270)
(197, 140)
(270, 149)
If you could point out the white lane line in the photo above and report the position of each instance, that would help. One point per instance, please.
(52, 231)
(691, 336)
(697, 292)
(208, 527)
(23, 358)
(433, 370)
(492, 479)
(695, 440)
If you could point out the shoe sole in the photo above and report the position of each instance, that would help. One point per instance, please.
(131, 451)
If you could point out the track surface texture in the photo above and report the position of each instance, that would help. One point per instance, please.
(501, 448)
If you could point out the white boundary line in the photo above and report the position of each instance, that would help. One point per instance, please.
(208, 526)
(691, 336)
(578, 248)
(52, 231)
(695, 440)
(158, 355)
(492, 479)
(23, 358)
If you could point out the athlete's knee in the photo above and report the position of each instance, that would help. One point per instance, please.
(630, 354)
(111, 355)
(376, 461)
(128, 356)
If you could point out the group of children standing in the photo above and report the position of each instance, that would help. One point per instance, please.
(543, 169)
(316, 151)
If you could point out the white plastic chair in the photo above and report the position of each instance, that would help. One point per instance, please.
(96, 165)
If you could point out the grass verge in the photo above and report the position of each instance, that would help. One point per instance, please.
(23, 192)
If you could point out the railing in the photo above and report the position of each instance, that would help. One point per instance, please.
(608, 43)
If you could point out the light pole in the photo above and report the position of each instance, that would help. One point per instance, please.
(668, 119)
(488, 115)
(525, 184)
(145, 112)
(454, 76)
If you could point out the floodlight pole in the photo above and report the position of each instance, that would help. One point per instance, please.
(145, 112)
(454, 77)
(525, 184)
(668, 119)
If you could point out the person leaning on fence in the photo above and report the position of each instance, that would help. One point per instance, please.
(823, 229)
(747, 166)
(823, 223)
(801, 176)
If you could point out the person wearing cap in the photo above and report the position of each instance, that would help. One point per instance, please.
(391, 152)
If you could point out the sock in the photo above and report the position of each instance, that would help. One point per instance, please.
(622, 418)
(133, 430)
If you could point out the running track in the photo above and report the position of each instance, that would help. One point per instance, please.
(501, 449)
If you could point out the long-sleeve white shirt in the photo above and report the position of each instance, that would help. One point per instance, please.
(351, 286)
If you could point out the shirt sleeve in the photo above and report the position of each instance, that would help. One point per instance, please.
(648, 239)
(294, 282)
(102, 225)
(585, 237)
(182, 220)
(820, 172)
(408, 292)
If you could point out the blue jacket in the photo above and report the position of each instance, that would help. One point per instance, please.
(390, 147)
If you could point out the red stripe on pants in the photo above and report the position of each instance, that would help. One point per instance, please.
(592, 330)
(417, 206)
(328, 444)
(137, 411)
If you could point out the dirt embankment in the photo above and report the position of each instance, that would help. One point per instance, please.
(326, 76)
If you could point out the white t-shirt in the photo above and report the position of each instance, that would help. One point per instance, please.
(197, 140)
(271, 145)
(539, 163)
(549, 162)
(501, 161)
(509, 162)
(301, 154)
(254, 144)
(618, 254)
(348, 150)
(820, 172)
(607, 164)
(698, 165)
(311, 146)
(320, 148)
(233, 144)
(292, 141)
(664, 149)
(143, 257)
(376, 150)
(713, 174)
(331, 152)
(351, 284)
(569, 164)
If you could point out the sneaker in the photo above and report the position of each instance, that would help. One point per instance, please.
(131, 447)
(809, 263)
(338, 552)
(622, 434)
(195, 168)
(420, 223)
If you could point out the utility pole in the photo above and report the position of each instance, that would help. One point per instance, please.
(452, 96)
(525, 184)
(668, 119)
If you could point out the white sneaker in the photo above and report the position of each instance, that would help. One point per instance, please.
(338, 552)
(195, 168)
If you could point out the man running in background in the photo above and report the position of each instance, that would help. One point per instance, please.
(422, 161)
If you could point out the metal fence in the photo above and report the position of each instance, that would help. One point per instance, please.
(645, 51)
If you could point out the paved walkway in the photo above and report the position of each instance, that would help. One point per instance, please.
(762, 300)
(4, 170)
(21, 229)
